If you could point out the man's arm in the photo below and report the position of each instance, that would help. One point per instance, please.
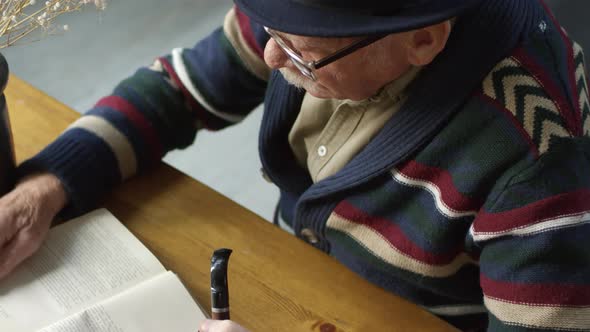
(534, 233)
(160, 108)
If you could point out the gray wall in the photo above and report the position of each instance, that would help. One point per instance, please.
(85, 63)
(574, 16)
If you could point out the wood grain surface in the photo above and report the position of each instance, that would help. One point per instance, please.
(277, 282)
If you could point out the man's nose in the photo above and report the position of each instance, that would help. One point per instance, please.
(274, 56)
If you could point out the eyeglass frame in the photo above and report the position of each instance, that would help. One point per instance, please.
(308, 67)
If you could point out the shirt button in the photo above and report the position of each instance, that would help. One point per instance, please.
(309, 236)
(322, 151)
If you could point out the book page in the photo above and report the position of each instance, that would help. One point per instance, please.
(156, 305)
(82, 262)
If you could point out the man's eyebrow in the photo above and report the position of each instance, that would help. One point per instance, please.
(307, 43)
(327, 44)
(318, 43)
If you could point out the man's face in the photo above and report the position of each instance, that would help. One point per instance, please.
(357, 76)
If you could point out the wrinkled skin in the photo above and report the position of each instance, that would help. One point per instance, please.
(26, 214)
(220, 326)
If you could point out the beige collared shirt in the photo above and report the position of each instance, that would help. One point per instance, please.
(328, 133)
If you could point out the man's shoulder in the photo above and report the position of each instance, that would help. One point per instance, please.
(542, 87)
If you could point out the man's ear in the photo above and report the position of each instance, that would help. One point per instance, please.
(424, 44)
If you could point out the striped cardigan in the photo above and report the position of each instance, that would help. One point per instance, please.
(473, 201)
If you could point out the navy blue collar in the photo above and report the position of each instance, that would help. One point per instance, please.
(478, 42)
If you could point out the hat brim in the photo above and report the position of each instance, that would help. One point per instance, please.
(295, 18)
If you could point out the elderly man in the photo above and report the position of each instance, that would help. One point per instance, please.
(439, 148)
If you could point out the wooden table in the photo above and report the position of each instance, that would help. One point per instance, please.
(277, 282)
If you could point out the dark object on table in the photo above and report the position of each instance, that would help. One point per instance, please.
(219, 288)
(7, 160)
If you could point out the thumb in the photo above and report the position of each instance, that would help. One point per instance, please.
(9, 226)
(210, 325)
(15, 207)
(16, 251)
(204, 326)
(12, 254)
(20, 235)
(10, 241)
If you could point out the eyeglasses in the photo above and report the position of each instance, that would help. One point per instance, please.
(307, 68)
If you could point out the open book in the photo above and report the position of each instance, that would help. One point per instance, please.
(92, 274)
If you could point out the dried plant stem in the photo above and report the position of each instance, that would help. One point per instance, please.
(21, 18)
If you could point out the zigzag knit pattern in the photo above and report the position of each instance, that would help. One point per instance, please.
(582, 83)
(522, 94)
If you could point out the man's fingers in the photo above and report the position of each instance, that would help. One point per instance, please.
(7, 258)
(14, 252)
(8, 228)
(210, 325)
(25, 216)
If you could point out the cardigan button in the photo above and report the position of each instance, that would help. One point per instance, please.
(310, 236)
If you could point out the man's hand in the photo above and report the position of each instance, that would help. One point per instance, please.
(210, 325)
(26, 214)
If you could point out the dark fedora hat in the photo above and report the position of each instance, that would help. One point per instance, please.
(344, 18)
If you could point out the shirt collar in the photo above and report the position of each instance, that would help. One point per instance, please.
(394, 90)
